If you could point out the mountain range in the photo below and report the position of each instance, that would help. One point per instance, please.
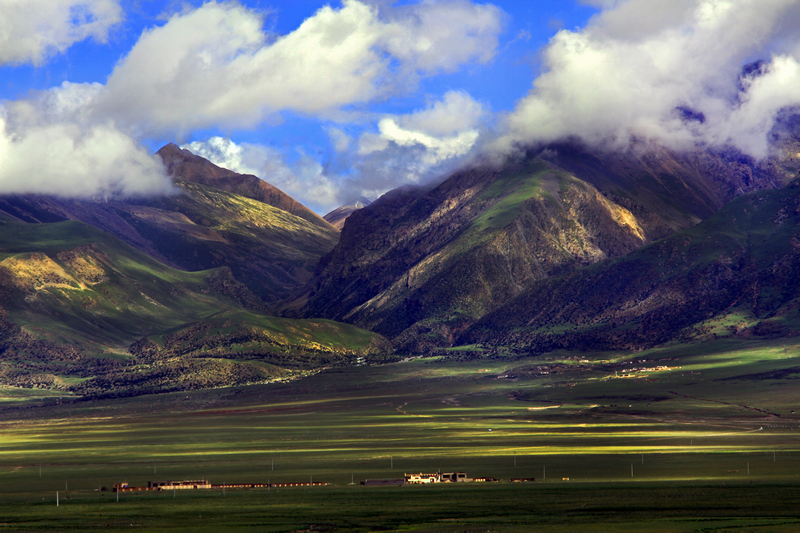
(424, 265)
(229, 280)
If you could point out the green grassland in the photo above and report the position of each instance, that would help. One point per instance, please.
(86, 286)
(681, 438)
(82, 312)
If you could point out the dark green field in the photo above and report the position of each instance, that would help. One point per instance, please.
(688, 438)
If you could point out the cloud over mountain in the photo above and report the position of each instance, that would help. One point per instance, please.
(305, 179)
(410, 148)
(669, 70)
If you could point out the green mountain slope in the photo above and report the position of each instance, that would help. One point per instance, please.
(75, 299)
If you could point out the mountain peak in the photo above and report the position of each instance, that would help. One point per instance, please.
(337, 217)
(184, 165)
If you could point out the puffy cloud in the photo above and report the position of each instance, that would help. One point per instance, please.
(48, 147)
(442, 35)
(669, 70)
(32, 30)
(70, 160)
(214, 66)
(242, 158)
(456, 112)
(445, 130)
(437, 149)
(417, 147)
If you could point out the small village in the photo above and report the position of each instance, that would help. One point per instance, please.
(407, 479)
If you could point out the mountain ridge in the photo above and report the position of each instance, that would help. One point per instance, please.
(735, 274)
(182, 164)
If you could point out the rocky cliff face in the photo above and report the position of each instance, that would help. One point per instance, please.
(423, 265)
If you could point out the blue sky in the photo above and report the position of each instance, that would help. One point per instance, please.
(341, 100)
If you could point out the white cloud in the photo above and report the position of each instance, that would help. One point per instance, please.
(70, 160)
(446, 129)
(341, 140)
(48, 146)
(214, 66)
(223, 152)
(305, 180)
(417, 147)
(456, 112)
(638, 61)
(437, 149)
(33, 30)
(442, 35)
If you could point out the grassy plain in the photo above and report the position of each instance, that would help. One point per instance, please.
(683, 438)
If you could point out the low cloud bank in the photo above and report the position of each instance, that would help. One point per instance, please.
(47, 146)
